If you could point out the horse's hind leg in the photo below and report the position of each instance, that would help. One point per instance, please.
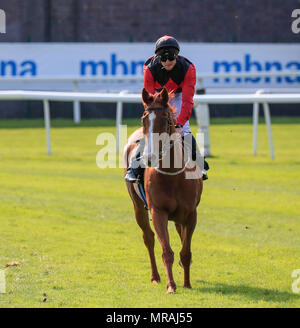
(185, 253)
(142, 220)
(160, 222)
(179, 229)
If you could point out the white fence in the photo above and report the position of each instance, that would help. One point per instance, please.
(76, 81)
(201, 101)
(201, 107)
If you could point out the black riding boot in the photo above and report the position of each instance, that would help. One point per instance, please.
(131, 175)
(135, 170)
(134, 175)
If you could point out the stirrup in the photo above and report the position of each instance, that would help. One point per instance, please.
(131, 176)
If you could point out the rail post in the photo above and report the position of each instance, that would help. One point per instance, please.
(119, 116)
(267, 116)
(202, 117)
(47, 125)
(269, 128)
(255, 121)
(76, 105)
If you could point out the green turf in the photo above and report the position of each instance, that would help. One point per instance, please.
(71, 225)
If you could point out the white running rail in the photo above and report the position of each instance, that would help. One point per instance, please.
(120, 98)
(76, 80)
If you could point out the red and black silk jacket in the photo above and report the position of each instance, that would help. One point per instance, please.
(182, 78)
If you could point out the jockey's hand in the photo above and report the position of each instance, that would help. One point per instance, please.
(178, 128)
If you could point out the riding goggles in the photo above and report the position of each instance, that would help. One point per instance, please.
(170, 54)
(166, 56)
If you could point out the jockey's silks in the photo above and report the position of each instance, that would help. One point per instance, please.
(180, 80)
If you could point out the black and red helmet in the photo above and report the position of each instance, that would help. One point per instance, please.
(166, 41)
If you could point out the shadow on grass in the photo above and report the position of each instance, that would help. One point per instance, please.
(254, 293)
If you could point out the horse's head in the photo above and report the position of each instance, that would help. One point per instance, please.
(157, 122)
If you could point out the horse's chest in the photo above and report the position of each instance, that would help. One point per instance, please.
(169, 197)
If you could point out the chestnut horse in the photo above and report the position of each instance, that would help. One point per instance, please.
(170, 195)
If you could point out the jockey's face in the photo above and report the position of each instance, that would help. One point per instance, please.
(168, 57)
(169, 64)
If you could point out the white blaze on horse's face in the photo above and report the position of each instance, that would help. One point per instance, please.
(149, 155)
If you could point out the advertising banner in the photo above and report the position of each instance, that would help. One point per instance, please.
(127, 59)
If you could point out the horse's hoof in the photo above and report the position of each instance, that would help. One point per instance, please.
(155, 279)
(171, 290)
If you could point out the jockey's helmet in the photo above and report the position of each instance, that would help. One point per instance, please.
(166, 41)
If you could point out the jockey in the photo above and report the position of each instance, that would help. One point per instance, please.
(178, 75)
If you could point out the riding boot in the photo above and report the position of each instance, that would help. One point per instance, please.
(135, 170)
(132, 175)
(191, 143)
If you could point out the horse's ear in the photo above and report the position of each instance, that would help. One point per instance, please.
(147, 97)
(164, 96)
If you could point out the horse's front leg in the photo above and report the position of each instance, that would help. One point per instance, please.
(141, 216)
(160, 222)
(185, 253)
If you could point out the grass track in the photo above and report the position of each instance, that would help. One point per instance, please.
(71, 225)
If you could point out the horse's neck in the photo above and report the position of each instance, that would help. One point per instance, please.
(176, 157)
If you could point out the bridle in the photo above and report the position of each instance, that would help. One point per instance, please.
(167, 147)
(165, 109)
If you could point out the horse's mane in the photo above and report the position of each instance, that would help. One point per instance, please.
(171, 108)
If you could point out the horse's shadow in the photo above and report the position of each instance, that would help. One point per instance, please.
(254, 293)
